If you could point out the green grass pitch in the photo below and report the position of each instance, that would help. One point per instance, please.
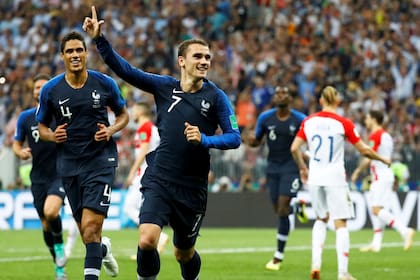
(227, 254)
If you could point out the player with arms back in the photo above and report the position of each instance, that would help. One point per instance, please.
(325, 133)
(174, 186)
(382, 178)
(280, 126)
(46, 186)
(87, 155)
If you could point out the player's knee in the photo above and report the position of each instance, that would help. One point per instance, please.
(283, 210)
(376, 210)
(184, 256)
(91, 232)
(50, 213)
(148, 242)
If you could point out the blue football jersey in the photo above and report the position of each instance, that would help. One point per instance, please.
(279, 135)
(44, 153)
(176, 159)
(82, 109)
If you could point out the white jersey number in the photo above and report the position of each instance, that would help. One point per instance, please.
(177, 100)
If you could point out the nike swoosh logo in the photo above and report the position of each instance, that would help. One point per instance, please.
(61, 102)
(103, 204)
(177, 91)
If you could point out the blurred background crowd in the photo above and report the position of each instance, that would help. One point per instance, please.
(368, 50)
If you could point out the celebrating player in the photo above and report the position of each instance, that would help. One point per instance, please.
(174, 185)
(87, 155)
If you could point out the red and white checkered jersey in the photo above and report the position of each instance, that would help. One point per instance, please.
(325, 134)
(146, 133)
(381, 142)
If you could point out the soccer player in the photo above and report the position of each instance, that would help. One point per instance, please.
(78, 100)
(46, 186)
(280, 126)
(174, 185)
(146, 140)
(325, 133)
(382, 182)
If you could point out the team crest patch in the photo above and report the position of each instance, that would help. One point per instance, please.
(205, 106)
(143, 136)
(96, 97)
(233, 122)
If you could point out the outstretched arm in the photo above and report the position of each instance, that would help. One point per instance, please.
(367, 151)
(92, 26)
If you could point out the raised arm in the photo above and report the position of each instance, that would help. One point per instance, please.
(92, 26)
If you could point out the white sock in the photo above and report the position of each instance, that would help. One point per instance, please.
(319, 233)
(342, 243)
(390, 220)
(73, 232)
(378, 232)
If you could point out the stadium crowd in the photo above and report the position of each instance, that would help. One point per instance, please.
(368, 50)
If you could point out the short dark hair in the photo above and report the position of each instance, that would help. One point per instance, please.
(377, 115)
(146, 108)
(182, 48)
(41, 76)
(73, 35)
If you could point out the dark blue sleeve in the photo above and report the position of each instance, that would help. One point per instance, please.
(299, 115)
(260, 129)
(230, 139)
(20, 134)
(117, 102)
(134, 76)
(42, 112)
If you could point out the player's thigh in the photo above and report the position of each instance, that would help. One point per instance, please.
(188, 211)
(91, 190)
(339, 202)
(273, 186)
(55, 197)
(97, 187)
(156, 205)
(39, 193)
(290, 184)
(380, 193)
(318, 200)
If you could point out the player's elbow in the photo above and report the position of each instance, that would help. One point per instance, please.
(294, 149)
(236, 142)
(366, 152)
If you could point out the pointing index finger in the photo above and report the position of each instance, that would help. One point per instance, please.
(94, 16)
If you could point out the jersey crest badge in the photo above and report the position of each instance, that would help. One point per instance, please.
(96, 99)
(205, 106)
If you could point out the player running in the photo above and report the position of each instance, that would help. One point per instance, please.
(382, 183)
